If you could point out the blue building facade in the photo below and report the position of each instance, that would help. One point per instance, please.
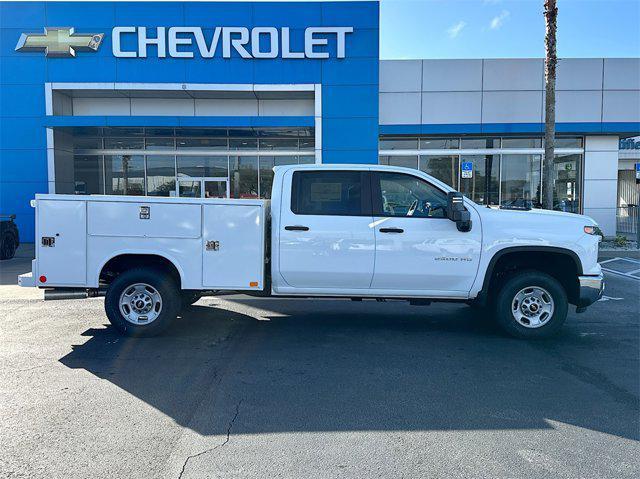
(344, 87)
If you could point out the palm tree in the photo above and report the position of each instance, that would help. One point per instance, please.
(550, 62)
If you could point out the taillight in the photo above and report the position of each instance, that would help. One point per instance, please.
(43, 279)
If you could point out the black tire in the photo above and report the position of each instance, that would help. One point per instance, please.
(190, 297)
(161, 282)
(507, 294)
(8, 246)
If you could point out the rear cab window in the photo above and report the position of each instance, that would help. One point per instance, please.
(335, 193)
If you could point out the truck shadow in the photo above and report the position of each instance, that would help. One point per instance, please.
(336, 366)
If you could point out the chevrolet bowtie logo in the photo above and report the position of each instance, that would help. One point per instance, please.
(59, 42)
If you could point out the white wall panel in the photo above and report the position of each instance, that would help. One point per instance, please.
(622, 73)
(513, 74)
(400, 108)
(400, 75)
(578, 106)
(605, 217)
(512, 107)
(579, 74)
(451, 107)
(162, 107)
(601, 165)
(302, 107)
(600, 193)
(618, 105)
(452, 75)
(101, 106)
(601, 143)
(226, 107)
(601, 181)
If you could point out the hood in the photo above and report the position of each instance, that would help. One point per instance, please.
(535, 216)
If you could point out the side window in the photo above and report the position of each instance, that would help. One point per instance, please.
(398, 194)
(338, 193)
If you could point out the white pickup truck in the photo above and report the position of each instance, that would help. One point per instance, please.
(352, 231)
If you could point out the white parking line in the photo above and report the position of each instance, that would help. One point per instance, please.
(628, 274)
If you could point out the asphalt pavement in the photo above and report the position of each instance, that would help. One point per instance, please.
(244, 387)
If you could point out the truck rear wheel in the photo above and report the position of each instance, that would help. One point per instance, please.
(142, 302)
(531, 304)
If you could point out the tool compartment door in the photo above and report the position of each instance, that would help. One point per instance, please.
(233, 246)
(62, 242)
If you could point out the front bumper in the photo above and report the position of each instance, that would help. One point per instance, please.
(591, 289)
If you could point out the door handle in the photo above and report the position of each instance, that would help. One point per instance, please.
(391, 230)
(296, 228)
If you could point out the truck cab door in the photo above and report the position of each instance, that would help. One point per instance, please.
(420, 251)
(326, 237)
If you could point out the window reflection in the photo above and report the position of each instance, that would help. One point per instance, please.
(243, 176)
(200, 166)
(161, 175)
(520, 181)
(566, 181)
(444, 168)
(403, 161)
(124, 175)
(483, 186)
(88, 179)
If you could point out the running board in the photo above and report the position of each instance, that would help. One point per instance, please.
(71, 293)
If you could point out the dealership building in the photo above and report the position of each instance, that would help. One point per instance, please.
(204, 99)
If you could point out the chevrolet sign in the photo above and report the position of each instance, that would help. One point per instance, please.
(59, 42)
(186, 42)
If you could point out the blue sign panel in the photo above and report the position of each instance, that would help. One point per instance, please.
(467, 169)
(331, 44)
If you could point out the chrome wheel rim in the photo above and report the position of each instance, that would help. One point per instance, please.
(140, 303)
(532, 307)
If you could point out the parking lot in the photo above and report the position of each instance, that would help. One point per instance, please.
(247, 387)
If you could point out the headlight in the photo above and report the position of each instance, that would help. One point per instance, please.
(593, 230)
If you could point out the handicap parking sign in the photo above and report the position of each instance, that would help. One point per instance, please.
(637, 172)
(467, 169)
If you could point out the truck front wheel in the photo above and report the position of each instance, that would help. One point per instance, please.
(142, 302)
(531, 304)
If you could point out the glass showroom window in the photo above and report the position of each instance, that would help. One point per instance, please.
(402, 143)
(520, 181)
(444, 168)
(483, 186)
(479, 143)
(506, 177)
(439, 143)
(124, 175)
(566, 181)
(403, 161)
(161, 175)
(202, 166)
(88, 175)
(243, 176)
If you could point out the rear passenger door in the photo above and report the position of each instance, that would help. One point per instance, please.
(327, 240)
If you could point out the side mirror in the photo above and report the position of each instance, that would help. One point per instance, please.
(457, 212)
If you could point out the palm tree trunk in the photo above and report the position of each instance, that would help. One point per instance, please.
(550, 61)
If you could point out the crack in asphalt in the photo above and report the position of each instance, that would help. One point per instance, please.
(206, 451)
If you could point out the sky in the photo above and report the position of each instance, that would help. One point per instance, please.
(507, 28)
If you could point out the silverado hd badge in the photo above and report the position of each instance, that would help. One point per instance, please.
(59, 42)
